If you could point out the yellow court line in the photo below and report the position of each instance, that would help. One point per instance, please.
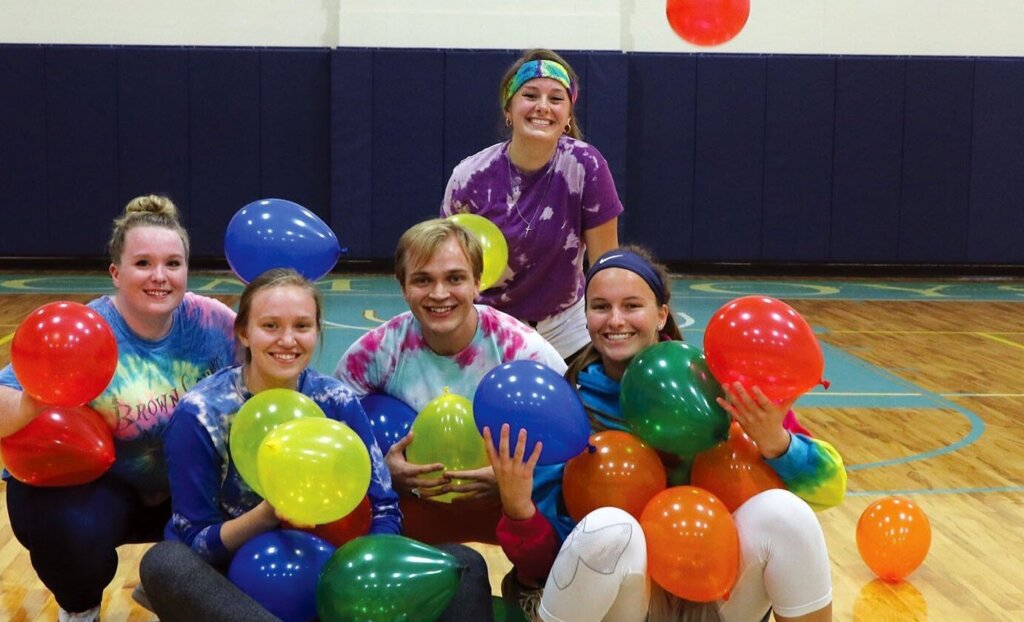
(1001, 340)
(915, 332)
(6, 338)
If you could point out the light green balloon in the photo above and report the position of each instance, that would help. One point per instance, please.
(444, 431)
(313, 470)
(256, 418)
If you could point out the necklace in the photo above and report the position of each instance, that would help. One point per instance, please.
(517, 191)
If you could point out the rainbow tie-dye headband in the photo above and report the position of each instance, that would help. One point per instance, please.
(540, 69)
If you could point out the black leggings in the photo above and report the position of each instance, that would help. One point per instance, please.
(182, 587)
(72, 533)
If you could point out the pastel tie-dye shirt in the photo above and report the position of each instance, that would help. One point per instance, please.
(151, 377)
(574, 192)
(206, 488)
(394, 358)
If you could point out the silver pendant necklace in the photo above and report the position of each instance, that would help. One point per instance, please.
(517, 191)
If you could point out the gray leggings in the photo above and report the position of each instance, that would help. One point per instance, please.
(182, 587)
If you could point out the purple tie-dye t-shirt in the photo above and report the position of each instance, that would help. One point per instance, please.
(394, 358)
(151, 377)
(574, 192)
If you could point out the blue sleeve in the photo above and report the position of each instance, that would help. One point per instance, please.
(8, 379)
(812, 470)
(387, 518)
(194, 467)
(547, 496)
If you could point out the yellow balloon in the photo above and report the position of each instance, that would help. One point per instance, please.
(256, 418)
(493, 242)
(444, 431)
(313, 470)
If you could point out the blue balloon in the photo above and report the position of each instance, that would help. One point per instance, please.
(390, 418)
(279, 570)
(275, 233)
(526, 394)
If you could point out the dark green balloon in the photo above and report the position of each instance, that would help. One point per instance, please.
(386, 578)
(668, 399)
(505, 611)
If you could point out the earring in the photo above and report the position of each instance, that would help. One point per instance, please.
(661, 326)
(508, 121)
(568, 128)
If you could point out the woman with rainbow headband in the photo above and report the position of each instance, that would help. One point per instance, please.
(784, 563)
(550, 193)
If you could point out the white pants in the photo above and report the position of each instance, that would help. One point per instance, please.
(566, 330)
(600, 575)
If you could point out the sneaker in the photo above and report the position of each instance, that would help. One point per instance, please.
(527, 599)
(92, 615)
(139, 596)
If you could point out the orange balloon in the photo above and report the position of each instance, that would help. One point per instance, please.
(693, 550)
(763, 342)
(350, 527)
(893, 537)
(734, 470)
(621, 471)
(707, 22)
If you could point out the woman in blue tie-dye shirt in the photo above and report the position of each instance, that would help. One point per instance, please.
(167, 340)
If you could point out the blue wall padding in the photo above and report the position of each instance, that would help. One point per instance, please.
(23, 187)
(352, 147)
(799, 131)
(224, 140)
(729, 171)
(867, 160)
(725, 158)
(153, 125)
(81, 148)
(997, 184)
(660, 123)
(295, 127)
(935, 192)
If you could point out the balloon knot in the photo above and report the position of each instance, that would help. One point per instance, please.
(591, 448)
(825, 383)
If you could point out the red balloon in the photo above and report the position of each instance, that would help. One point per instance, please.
(707, 22)
(62, 446)
(763, 342)
(356, 523)
(734, 471)
(893, 537)
(64, 354)
(622, 472)
(693, 549)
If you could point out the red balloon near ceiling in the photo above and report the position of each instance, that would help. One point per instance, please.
(707, 22)
(64, 354)
(61, 447)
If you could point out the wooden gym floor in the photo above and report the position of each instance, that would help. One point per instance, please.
(927, 391)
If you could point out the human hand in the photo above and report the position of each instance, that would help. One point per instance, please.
(759, 417)
(514, 476)
(408, 477)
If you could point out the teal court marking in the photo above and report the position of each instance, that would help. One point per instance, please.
(355, 303)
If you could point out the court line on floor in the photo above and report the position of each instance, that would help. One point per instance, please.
(936, 491)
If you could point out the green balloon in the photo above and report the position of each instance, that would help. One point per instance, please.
(668, 396)
(444, 431)
(505, 611)
(386, 578)
(256, 418)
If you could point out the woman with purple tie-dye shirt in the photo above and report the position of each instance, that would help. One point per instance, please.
(550, 193)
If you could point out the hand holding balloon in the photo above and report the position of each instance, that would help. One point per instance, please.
(409, 477)
(470, 484)
(514, 475)
(760, 418)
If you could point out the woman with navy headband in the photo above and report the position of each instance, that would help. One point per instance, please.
(784, 563)
(550, 193)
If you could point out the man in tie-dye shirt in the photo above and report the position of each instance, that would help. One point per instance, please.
(443, 341)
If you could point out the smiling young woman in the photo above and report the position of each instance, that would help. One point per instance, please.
(550, 193)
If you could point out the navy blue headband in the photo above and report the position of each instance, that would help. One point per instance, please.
(628, 260)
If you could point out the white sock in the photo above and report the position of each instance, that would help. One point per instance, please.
(92, 615)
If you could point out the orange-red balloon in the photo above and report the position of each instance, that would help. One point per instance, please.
(893, 537)
(62, 446)
(350, 527)
(64, 354)
(693, 549)
(622, 471)
(707, 22)
(763, 342)
(734, 470)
